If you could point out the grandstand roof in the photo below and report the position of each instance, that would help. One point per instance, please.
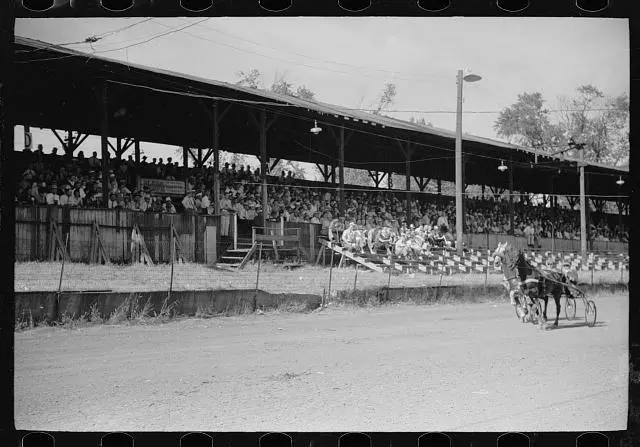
(59, 88)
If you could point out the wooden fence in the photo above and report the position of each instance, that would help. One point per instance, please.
(33, 234)
(33, 228)
(490, 241)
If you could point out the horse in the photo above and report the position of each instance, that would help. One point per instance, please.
(521, 277)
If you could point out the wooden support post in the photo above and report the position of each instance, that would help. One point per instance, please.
(583, 207)
(185, 164)
(341, 156)
(216, 159)
(511, 211)
(136, 150)
(263, 165)
(104, 128)
(119, 149)
(408, 183)
(439, 187)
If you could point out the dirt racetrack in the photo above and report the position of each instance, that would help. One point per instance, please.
(469, 367)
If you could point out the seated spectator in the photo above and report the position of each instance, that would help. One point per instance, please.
(167, 206)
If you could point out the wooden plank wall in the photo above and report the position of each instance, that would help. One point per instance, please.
(32, 232)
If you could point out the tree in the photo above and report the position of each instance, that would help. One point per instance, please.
(386, 98)
(600, 122)
(420, 121)
(251, 79)
(526, 122)
(357, 177)
(282, 86)
(303, 92)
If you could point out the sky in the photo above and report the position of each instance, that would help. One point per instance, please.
(347, 61)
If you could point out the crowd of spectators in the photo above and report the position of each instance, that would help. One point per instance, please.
(51, 179)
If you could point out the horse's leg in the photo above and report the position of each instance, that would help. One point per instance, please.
(556, 297)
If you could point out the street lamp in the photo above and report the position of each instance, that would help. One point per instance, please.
(459, 228)
(315, 129)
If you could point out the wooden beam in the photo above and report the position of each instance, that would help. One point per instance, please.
(274, 164)
(511, 209)
(115, 151)
(216, 118)
(185, 163)
(81, 138)
(375, 176)
(193, 156)
(272, 120)
(207, 155)
(422, 184)
(341, 159)
(136, 151)
(62, 142)
(408, 154)
(127, 144)
(255, 120)
(263, 165)
(104, 130)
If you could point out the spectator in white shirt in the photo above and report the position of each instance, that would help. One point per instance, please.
(189, 202)
(205, 204)
(52, 196)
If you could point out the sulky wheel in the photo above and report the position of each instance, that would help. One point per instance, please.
(590, 314)
(570, 308)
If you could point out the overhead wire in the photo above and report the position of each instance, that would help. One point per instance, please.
(91, 39)
(292, 62)
(316, 59)
(90, 56)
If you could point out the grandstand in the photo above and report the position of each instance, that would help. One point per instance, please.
(204, 116)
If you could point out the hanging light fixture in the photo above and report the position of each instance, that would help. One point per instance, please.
(620, 182)
(315, 129)
(502, 166)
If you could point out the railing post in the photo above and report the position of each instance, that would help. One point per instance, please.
(235, 231)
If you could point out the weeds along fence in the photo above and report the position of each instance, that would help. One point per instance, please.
(35, 226)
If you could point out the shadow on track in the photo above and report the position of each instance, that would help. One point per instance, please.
(578, 324)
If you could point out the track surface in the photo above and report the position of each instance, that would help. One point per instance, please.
(402, 368)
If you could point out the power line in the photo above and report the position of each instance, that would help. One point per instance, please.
(172, 31)
(291, 62)
(110, 33)
(91, 39)
(89, 56)
(317, 59)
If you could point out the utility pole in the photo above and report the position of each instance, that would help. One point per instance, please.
(459, 227)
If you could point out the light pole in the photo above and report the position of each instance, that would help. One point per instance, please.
(459, 188)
